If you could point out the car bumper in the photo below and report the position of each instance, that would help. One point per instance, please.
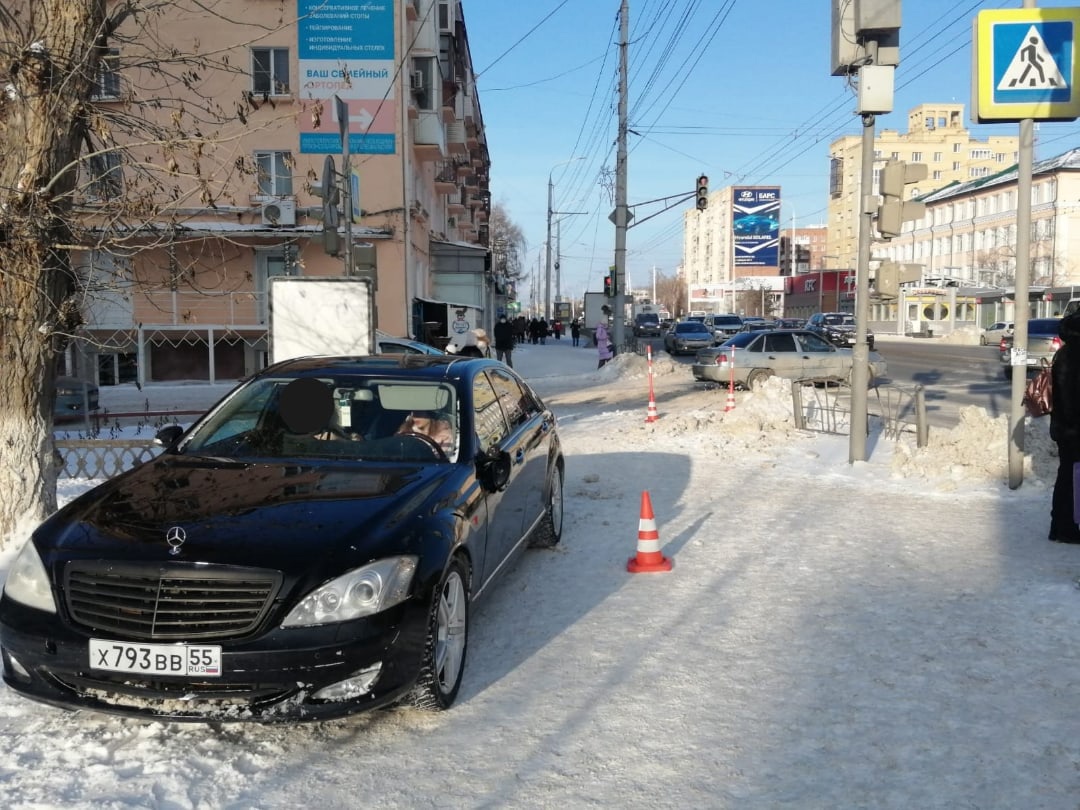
(273, 678)
(710, 372)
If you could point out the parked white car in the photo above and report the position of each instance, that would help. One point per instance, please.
(995, 332)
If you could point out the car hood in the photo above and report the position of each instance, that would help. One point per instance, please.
(262, 514)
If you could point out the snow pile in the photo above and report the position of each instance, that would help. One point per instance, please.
(630, 366)
(977, 450)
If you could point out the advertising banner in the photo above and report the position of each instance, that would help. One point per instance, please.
(755, 214)
(346, 49)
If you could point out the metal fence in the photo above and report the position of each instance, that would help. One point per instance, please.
(826, 408)
(102, 458)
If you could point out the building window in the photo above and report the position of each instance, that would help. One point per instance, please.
(106, 178)
(895, 155)
(929, 122)
(980, 154)
(956, 166)
(836, 177)
(916, 157)
(274, 173)
(937, 157)
(956, 146)
(937, 174)
(941, 123)
(107, 81)
(270, 71)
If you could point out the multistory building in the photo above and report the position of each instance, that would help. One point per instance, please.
(936, 137)
(189, 299)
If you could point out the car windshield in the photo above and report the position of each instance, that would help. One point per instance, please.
(346, 417)
(839, 320)
(727, 320)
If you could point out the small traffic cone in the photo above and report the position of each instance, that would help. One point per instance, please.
(730, 404)
(648, 557)
(651, 415)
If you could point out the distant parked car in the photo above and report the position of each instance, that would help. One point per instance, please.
(789, 323)
(74, 399)
(994, 332)
(687, 337)
(1043, 341)
(723, 326)
(752, 323)
(752, 357)
(837, 327)
(397, 345)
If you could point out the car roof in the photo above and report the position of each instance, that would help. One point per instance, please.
(416, 366)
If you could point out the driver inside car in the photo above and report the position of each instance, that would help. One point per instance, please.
(431, 424)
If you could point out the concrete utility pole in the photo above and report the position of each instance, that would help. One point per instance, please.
(550, 212)
(1025, 159)
(621, 211)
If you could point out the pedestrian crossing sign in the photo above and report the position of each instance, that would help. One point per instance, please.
(1025, 65)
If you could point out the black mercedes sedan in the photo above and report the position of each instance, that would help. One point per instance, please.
(310, 548)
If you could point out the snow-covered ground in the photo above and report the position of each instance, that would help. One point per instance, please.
(895, 633)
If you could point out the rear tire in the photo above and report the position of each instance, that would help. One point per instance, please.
(443, 663)
(549, 532)
(757, 377)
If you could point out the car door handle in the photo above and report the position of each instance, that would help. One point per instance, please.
(519, 457)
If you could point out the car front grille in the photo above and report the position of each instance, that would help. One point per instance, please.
(161, 603)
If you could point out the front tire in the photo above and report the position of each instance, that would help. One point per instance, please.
(549, 532)
(447, 641)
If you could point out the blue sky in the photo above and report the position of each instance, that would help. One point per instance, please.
(737, 89)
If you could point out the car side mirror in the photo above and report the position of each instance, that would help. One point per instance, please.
(493, 469)
(168, 436)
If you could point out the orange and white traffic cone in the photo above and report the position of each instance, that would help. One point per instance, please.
(648, 557)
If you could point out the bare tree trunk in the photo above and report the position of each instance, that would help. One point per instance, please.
(51, 62)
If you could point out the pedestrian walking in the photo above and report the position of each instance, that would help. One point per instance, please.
(604, 350)
(504, 341)
(1065, 429)
(575, 332)
(557, 329)
(542, 331)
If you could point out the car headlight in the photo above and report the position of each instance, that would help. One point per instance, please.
(361, 592)
(27, 581)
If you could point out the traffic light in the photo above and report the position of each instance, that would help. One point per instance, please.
(609, 288)
(894, 211)
(328, 190)
(702, 193)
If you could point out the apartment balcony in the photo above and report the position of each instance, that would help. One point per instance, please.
(456, 208)
(446, 178)
(455, 138)
(429, 138)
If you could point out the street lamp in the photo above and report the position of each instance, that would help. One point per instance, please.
(547, 275)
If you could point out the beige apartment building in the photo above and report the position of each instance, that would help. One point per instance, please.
(966, 245)
(936, 137)
(188, 299)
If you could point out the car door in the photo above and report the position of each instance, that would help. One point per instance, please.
(529, 437)
(822, 360)
(491, 431)
(782, 355)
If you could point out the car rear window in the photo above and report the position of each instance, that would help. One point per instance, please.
(727, 320)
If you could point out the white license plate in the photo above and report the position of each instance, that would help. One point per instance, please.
(156, 659)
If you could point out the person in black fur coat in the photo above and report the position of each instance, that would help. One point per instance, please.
(1065, 429)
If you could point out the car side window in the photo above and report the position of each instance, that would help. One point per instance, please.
(780, 343)
(516, 405)
(490, 423)
(814, 343)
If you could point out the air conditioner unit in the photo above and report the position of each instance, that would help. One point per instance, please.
(416, 81)
(279, 212)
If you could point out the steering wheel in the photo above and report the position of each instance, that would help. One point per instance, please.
(335, 432)
(433, 445)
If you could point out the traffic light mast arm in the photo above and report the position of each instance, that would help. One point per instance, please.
(679, 199)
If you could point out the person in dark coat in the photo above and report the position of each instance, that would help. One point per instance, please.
(575, 332)
(1065, 429)
(504, 341)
